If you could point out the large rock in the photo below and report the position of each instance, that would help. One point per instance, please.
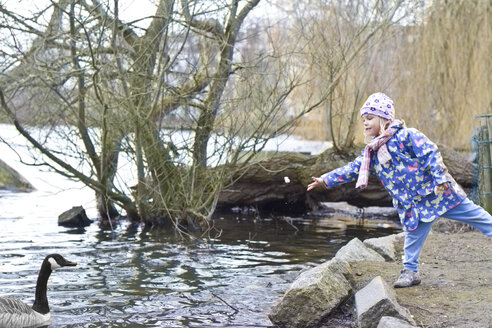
(313, 295)
(384, 246)
(10, 179)
(392, 322)
(74, 217)
(375, 301)
(355, 250)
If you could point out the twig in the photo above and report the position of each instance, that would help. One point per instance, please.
(289, 221)
(220, 298)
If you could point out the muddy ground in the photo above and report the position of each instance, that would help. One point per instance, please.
(456, 288)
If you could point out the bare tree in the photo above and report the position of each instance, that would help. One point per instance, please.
(159, 115)
(113, 95)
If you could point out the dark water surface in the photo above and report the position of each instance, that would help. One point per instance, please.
(135, 278)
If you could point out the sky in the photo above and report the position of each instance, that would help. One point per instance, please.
(129, 9)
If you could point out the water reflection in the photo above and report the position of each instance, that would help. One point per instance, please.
(132, 277)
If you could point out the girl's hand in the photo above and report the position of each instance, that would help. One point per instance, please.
(440, 188)
(317, 182)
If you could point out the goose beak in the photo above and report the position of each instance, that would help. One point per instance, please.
(68, 263)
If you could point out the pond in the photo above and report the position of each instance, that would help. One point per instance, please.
(132, 277)
(135, 278)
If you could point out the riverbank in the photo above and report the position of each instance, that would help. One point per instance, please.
(456, 288)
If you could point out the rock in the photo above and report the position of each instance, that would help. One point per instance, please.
(400, 237)
(384, 246)
(355, 250)
(375, 301)
(392, 322)
(313, 295)
(74, 217)
(10, 179)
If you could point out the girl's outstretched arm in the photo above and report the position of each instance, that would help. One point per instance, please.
(344, 174)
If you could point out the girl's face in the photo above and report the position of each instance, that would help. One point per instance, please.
(372, 125)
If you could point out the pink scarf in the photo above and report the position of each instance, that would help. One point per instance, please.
(378, 144)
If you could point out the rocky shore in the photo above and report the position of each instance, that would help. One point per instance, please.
(354, 289)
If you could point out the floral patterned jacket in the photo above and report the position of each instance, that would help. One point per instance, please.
(415, 168)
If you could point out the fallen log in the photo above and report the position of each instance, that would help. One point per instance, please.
(263, 185)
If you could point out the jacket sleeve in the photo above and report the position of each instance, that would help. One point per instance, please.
(344, 174)
(428, 155)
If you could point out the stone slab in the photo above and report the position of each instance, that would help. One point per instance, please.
(392, 322)
(375, 301)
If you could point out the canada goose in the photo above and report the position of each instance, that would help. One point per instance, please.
(14, 313)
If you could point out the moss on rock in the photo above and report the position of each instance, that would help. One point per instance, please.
(10, 179)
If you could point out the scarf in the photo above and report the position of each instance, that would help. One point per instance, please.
(377, 144)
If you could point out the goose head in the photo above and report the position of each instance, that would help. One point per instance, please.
(57, 261)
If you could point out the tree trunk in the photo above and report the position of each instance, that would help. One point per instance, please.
(105, 207)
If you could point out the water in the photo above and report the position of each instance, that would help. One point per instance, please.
(131, 277)
(136, 278)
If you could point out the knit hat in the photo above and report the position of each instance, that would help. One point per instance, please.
(379, 104)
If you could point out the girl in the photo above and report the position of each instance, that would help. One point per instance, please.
(410, 167)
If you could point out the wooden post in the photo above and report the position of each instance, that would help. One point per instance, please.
(485, 161)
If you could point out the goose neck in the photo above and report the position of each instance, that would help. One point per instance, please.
(41, 301)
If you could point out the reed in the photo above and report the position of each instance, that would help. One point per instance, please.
(446, 66)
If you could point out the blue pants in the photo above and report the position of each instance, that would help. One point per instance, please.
(466, 212)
